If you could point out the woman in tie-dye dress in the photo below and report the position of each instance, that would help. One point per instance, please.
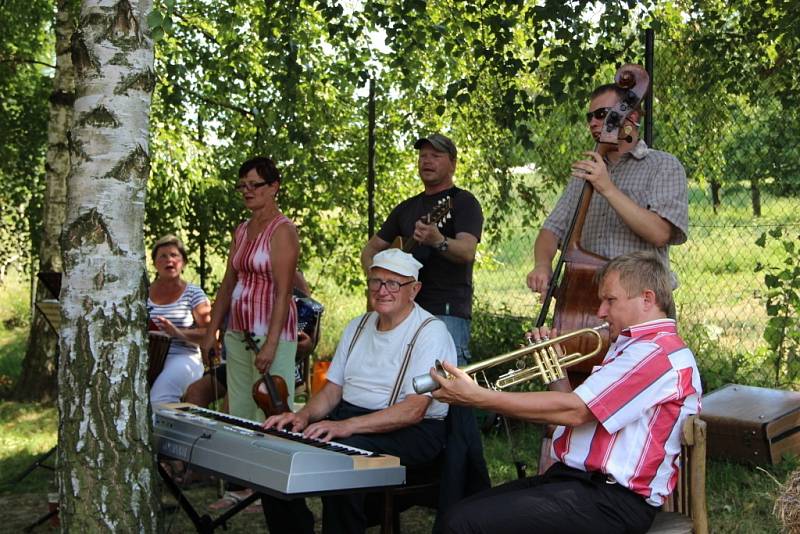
(256, 292)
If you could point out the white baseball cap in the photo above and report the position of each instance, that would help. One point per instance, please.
(397, 261)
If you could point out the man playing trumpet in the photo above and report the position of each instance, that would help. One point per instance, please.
(618, 435)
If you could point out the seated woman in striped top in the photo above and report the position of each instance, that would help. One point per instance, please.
(182, 311)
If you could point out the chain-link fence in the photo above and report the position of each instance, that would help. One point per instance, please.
(743, 182)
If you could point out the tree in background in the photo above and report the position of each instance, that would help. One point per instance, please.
(288, 79)
(764, 151)
(105, 457)
(38, 378)
(25, 70)
(733, 63)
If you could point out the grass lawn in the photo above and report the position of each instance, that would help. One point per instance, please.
(740, 497)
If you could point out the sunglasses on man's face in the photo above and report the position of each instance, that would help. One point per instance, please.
(599, 114)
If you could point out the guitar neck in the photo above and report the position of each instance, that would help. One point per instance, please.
(406, 245)
(437, 216)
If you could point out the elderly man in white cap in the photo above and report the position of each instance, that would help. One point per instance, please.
(369, 401)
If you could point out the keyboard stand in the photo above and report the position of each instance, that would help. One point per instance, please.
(204, 524)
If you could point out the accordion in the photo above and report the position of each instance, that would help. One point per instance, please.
(309, 312)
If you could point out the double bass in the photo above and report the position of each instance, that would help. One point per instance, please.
(572, 283)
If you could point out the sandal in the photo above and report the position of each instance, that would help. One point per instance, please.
(228, 500)
(190, 478)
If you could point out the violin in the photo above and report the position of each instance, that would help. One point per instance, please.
(269, 392)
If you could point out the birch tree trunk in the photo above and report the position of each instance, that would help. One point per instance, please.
(106, 461)
(38, 378)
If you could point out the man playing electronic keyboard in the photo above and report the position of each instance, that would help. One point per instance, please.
(447, 252)
(619, 436)
(640, 199)
(369, 401)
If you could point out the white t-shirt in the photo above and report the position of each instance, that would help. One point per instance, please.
(368, 375)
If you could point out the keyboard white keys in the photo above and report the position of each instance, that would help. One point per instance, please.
(273, 460)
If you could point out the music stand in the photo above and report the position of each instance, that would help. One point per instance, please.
(51, 281)
(51, 309)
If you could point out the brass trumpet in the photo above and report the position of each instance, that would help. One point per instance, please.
(545, 362)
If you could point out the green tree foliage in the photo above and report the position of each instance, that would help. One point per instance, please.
(766, 150)
(726, 92)
(507, 80)
(288, 79)
(782, 302)
(751, 44)
(26, 51)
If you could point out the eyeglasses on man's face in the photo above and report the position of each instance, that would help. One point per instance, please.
(249, 186)
(599, 114)
(392, 286)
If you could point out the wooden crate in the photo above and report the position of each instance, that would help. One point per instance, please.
(752, 424)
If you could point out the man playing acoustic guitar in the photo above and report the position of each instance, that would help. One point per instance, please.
(447, 251)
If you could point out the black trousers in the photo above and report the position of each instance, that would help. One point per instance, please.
(562, 501)
(345, 514)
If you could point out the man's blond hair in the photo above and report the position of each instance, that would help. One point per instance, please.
(639, 271)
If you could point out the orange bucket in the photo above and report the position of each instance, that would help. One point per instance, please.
(319, 376)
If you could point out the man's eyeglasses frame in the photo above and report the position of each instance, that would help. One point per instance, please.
(392, 286)
(599, 114)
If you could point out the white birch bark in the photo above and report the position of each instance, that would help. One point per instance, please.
(106, 462)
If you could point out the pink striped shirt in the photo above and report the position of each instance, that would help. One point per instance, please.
(641, 395)
(253, 297)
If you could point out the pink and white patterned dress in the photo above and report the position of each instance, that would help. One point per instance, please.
(253, 297)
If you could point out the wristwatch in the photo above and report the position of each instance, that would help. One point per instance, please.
(442, 247)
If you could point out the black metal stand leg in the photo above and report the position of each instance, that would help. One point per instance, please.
(39, 462)
(203, 524)
(41, 520)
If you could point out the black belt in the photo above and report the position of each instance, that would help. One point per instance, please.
(561, 470)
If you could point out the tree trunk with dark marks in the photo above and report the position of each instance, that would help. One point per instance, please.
(106, 461)
(38, 379)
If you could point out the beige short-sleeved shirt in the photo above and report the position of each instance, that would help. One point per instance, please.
(653, 179)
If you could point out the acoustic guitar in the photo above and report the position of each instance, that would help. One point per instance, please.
(438, 216)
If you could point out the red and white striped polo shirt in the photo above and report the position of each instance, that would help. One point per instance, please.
(641, 395)
(254, 295)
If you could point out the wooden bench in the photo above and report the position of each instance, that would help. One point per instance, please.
(685, 510)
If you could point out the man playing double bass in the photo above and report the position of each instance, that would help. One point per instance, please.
(640, 200)
(618, 437)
